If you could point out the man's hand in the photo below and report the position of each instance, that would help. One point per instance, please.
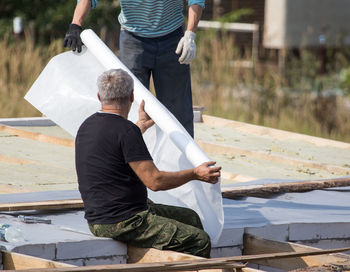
(72, 38)
(206, 173)
(187, 47)
(144, 122)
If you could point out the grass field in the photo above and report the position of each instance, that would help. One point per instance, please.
(261, 96)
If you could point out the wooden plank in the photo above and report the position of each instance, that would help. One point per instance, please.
(43, 205)
(37, 136)
(248, 269)
(15, 261)
(149, 267)
(198, 264)
(216, 148)
(262, 190)
(256, 245)
(150, 255)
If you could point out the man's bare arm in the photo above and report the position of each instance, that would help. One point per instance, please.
(194, 15)
(81, 11)
(160, 180)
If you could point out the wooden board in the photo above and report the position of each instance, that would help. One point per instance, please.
(16, 261)
(193, 265)
(150, 255)
(256, 245)
(279, 188)
(43, 205)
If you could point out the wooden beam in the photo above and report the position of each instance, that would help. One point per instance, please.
(43, 205)
(151, 255)
(256, 245)
(189, 265)
(37, 136)
(198, 264)
(277, 188)
(16, 261)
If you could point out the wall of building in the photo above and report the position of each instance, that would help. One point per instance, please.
(312, 23)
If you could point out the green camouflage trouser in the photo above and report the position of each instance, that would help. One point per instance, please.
(160, 227)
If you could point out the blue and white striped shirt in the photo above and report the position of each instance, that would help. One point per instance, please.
(152, 18)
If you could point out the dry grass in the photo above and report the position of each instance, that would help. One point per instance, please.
(263, 96)
(260, 96)
(20, 64)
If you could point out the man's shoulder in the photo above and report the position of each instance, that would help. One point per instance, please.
(101, 120)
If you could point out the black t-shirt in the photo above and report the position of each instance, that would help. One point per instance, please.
(110, 189)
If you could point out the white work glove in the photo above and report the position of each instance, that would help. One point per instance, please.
(187, 47)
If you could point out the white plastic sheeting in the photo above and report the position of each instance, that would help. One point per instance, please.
(66, 92)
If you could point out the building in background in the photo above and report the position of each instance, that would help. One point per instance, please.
(289, 24)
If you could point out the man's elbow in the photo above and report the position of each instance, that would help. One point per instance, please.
(156, 184)
(154, 187)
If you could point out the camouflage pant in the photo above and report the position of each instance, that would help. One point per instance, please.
(160, 227)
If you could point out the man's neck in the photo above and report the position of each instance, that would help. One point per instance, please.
(122, 111)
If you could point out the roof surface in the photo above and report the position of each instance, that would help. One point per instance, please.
(29, 162)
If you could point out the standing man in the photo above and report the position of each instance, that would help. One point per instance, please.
(114, 168)
(152, 42)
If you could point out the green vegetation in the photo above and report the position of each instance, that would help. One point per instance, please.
(261, 94)
(46, 19)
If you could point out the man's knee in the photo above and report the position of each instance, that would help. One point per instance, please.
(196, 221)
(189, 217)
(203, 245)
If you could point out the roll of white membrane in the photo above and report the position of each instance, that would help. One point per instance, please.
(66, 92)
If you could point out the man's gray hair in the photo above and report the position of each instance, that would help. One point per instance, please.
(114, 86)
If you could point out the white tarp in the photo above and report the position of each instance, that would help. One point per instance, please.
(66, 92)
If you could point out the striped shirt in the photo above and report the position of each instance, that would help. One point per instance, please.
(152, 18)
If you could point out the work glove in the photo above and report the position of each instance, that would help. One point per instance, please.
(187, 47)
(72, 38)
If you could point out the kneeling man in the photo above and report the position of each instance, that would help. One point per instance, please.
(114, 168)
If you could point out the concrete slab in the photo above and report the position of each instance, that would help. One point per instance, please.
(230, 237)
(45, 251)
(319, 231)
(328, 243)
(67, 238)
(311, 207)
(226, 251)
(272, 232)
(89, 248)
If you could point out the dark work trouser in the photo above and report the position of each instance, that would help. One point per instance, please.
(156, 56)
(162, 227)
